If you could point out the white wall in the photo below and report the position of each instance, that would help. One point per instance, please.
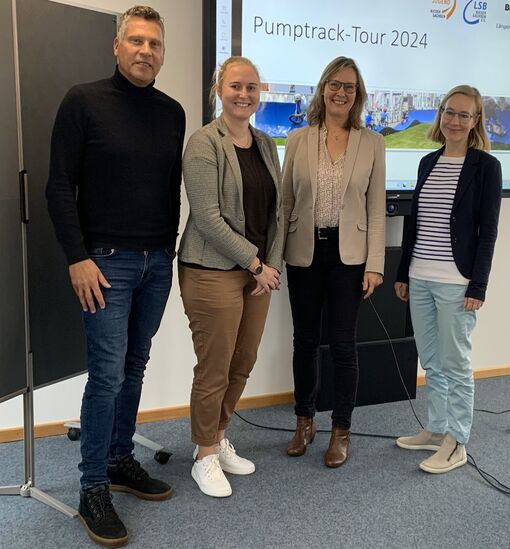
(169, 373)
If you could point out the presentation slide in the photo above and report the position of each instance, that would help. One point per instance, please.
(410, 54)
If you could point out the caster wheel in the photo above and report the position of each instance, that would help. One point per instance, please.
(73, 434)
(162, 457)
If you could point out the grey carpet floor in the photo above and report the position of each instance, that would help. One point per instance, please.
(379, 499)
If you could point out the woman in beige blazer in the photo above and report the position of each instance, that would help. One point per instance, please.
(334, 212)
(229, 262)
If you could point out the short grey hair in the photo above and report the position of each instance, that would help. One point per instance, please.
(144, 12)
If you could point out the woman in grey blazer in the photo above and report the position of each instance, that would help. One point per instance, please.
(334, 211)
(229, 262)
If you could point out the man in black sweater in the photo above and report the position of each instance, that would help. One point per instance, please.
(114, 198)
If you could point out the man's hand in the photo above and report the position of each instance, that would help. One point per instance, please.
(86, 278)
(370, 282)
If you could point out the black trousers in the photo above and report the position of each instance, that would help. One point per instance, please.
(329, 280)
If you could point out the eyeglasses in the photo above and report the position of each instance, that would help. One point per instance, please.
(449, 114)
(335, 85)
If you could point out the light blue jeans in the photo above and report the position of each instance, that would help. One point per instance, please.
(442, 330)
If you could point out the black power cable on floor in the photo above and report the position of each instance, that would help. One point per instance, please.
(490, 479)
(286, 430)
(491, 412)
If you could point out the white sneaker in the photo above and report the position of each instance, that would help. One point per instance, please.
(231, 462)
(208, 475)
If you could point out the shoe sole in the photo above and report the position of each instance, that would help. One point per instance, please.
(428, 469)
(105, 542)
(431, 447)
(142, 495)
(213, 495)
(226, 469)
(335, 465)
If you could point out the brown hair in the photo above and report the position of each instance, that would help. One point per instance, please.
(317, 109)
(478, 138)
(144, 12)
(219, 75)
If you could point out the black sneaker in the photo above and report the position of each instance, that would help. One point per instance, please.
(100, 519)
(127, 475)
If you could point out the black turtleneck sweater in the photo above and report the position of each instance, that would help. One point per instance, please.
(115, 168)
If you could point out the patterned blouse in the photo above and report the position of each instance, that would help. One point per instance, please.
(329, 186)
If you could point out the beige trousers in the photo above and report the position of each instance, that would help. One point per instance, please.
(226, 324)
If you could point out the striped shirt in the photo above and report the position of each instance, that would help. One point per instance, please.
(432, 257)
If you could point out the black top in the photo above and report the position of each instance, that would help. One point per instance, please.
(115, 168)
(259, 196)
(473, 220)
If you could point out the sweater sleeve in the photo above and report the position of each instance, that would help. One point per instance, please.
(66, 159)
(176, 177)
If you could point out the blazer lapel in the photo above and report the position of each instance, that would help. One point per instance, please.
(230, 155)
(426, 169)
(466, 175)
(350, 157)
(266, 157)
(313, 157)
(423, 173)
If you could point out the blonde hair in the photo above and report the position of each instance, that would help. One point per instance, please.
(144, 12)
(317, 109)
(478, 138)
(219, 76)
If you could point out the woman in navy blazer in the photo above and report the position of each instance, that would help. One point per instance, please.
(446, 260)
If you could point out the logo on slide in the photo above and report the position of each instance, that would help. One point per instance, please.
(506, 24)
(440, 12)
(475, 12)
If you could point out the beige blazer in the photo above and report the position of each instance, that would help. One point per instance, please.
(363, 201)
(214, 233)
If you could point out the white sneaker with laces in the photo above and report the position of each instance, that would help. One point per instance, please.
(231, 462)
(208, 475)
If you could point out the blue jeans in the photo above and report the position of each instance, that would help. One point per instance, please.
(442, 330)
(118, 344)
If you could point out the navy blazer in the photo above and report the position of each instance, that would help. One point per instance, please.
(473, 220)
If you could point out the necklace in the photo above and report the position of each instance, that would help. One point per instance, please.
(245, 143)
(337, 136)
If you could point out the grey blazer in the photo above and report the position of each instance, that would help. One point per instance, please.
(362, 220)
(214, 233)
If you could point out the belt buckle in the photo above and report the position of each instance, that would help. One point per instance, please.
(322, 233)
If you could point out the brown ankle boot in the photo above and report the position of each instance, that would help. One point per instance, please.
(336, 454)
(304, 435)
